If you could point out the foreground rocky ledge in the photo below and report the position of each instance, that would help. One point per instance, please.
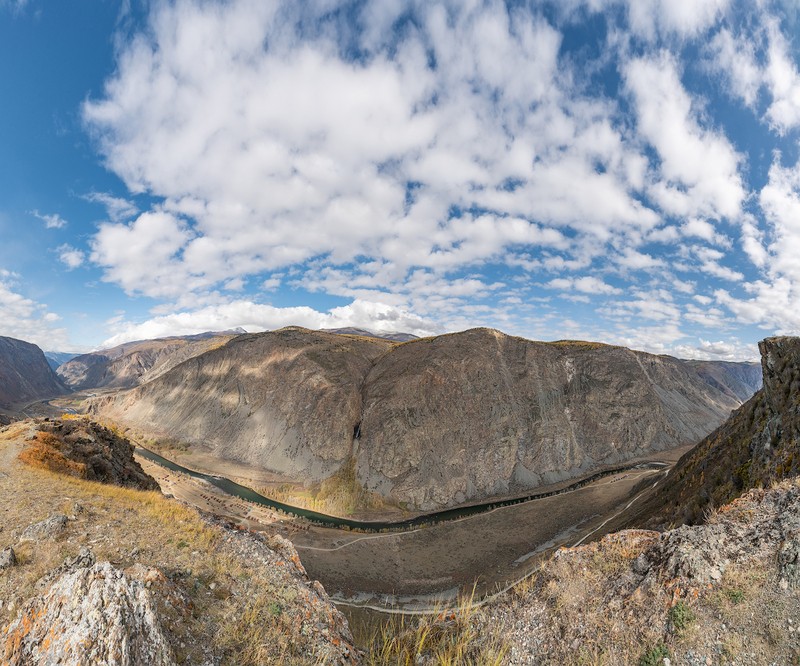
(94, 573)
(726, 592)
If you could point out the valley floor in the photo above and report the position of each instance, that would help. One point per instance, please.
(412, 570)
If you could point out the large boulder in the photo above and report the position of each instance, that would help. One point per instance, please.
(91, 614)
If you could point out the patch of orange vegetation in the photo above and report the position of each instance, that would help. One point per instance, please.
(45, 451)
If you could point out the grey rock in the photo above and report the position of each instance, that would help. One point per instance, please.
(49, 528)
(8, 558)
(789, 561)
(641, 565)
(90, 615)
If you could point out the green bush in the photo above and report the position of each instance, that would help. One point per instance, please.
(681, 616)
(654, 656)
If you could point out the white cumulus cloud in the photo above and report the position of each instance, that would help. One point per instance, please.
(254, 317)
(25, 319)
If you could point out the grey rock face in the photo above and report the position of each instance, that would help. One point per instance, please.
(789, 561)
(285, 401)
(8, 558)
(25, 375)
(90, 615)
(433, 422)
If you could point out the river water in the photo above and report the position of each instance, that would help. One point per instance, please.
(325, 520)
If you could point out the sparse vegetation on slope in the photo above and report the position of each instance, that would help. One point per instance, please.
(211, 576)
(727, 592)
(444, 637)
(758, 446)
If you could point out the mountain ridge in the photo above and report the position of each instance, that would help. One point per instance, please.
(413, 417)
(25, 374)
(758, 446)
(132, 363)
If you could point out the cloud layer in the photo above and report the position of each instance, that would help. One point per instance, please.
(24, 319)
(469, 163)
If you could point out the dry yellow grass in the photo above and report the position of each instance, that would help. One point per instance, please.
(45, 451)
(229, 598)
(446, 637)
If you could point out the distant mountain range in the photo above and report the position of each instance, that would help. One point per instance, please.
(437, 421)
(133, 363)
(363, 332)
(55, 359)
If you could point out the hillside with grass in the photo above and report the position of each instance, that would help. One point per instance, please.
(93, 572)
(758, 446)
(723, 593)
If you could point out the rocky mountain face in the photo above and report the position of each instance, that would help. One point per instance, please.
(289, 400)
(134, 363)
(757, 446)
(432, 422)
(741, 380)
(25, 375)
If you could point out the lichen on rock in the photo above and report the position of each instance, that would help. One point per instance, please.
(91, 614)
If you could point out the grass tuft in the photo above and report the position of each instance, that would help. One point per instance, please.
(446, 637)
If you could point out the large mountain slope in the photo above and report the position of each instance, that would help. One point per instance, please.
(433, 422)
(757, 446)
(25, 375)
(134, 363)
(724, 591)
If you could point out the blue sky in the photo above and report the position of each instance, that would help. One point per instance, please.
(617, 170)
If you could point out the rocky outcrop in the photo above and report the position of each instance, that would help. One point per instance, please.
(46, 529)
(759, 445)
(8, 558)
(134, 363)
(25, 375)
(720, 593)
(88, 450)
(432, 422)
(92, 613)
